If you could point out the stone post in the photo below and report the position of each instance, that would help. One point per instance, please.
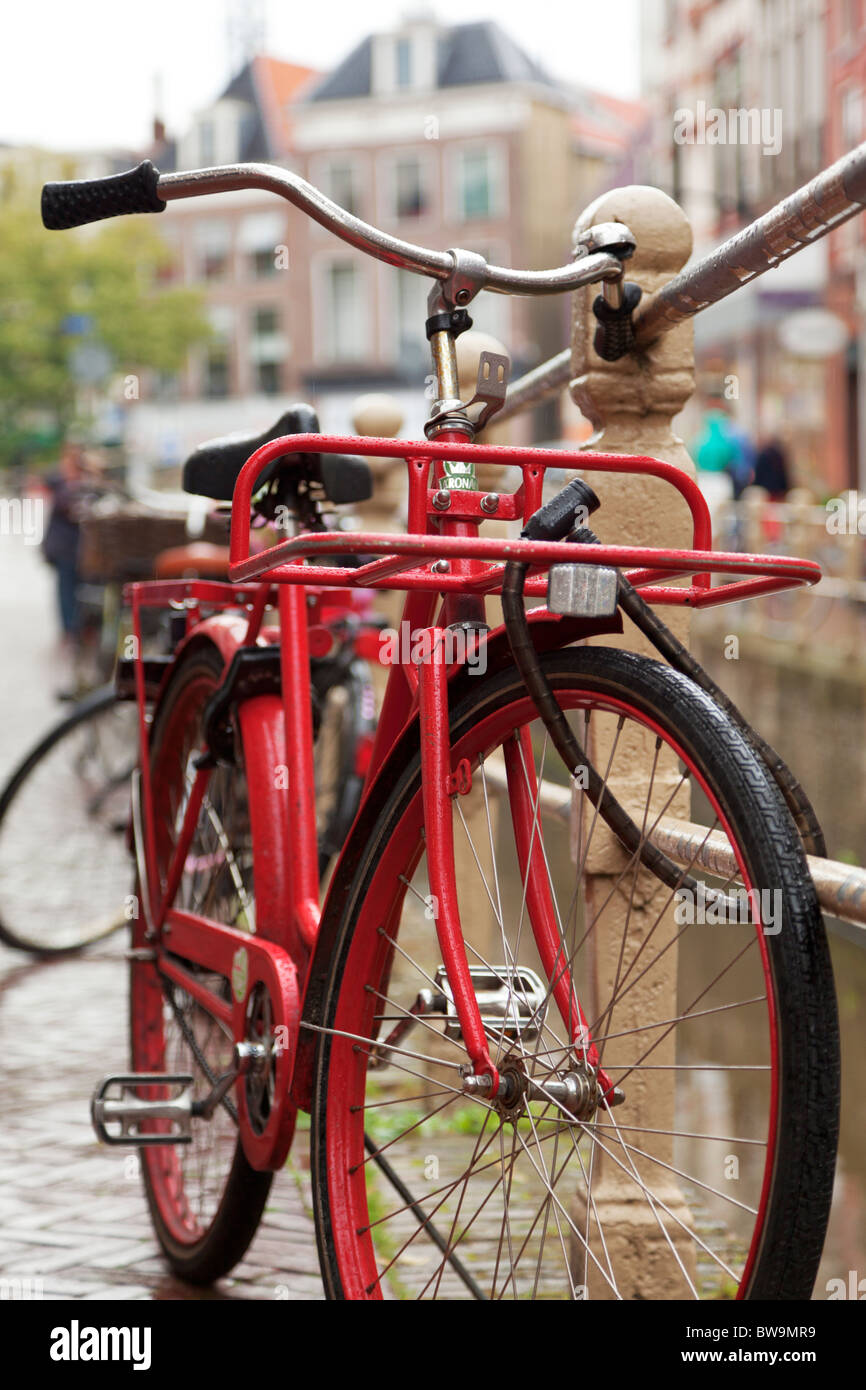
(631, 405)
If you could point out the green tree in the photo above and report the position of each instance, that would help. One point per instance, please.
(115, 277)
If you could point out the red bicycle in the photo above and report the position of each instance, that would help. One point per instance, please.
(569, 972)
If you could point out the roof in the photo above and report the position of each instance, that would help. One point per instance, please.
(466, 54)
(268, 86)
(605, 124)
(279, 85)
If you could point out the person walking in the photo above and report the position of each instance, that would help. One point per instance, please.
(61, 540)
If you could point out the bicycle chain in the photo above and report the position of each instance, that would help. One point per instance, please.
(190, 1039)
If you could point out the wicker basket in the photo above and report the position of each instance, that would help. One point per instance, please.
(121, 545)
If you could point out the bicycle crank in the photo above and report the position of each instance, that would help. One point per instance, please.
(173, 1113)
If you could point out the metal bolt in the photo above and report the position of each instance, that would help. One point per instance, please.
(440, 567)
(463, 296)
(490, 502)
(442, 500)
(478, 1085)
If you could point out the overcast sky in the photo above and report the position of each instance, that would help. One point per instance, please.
(83, 73)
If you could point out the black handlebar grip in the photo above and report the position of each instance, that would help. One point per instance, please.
(79, 201)
(614, 336)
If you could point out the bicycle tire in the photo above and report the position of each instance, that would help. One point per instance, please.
(794, 1178)
(17, 922)
(347, 702)
(200, 1245)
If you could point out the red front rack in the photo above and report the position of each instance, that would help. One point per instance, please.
(405, 559)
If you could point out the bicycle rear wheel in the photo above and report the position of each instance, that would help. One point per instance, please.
(346, 707)
(722, 1035)
(205, 1198)
(65, 870)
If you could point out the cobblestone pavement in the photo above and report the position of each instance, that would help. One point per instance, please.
(72, 1213)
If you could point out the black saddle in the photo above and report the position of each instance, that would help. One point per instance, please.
(212, 469)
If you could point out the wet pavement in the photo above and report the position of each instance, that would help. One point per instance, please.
(73, 1217)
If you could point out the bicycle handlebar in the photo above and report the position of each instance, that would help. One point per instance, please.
(79, 201)
(144, 189)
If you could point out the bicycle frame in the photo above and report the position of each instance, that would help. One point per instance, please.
(439, 530)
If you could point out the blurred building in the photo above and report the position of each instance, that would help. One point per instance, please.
(749, 101)
(443, 135)
(240, 250)
(846, 297)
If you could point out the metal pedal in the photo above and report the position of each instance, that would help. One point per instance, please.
(130, 1111)
(512, 1001)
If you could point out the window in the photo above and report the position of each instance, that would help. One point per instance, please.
(213, 247)
(206, 143)
(411, 315)
(265, 322)
(343, 296)
(476, 185)
(402, 63)
(262, 236)
(166, 386)
(491, 313)
(268, 349)
(268, 378)
(410, 194)
(728, 158)
(852, 116)
(342, 183)
(216, 373)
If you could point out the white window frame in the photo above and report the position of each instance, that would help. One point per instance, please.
(324, 350)
(496, 252)
(386, 183)
(320, 177)
(497, 153)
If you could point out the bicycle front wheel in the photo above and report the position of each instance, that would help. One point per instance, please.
(708, 996)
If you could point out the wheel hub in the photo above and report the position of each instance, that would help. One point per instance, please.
(577, 1093)
(259, 1079)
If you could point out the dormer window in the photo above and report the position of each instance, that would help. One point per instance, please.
(405, 61)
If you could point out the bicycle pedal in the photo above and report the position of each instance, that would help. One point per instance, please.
(512, 1001)
(131, 1112)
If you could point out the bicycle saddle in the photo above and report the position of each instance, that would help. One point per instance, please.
(212, 469)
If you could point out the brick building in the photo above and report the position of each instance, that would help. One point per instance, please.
(787, 77)
(444, 135)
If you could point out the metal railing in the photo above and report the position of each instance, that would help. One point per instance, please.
(833, 612)
(841, 888)
(821, 205)
(795, 527)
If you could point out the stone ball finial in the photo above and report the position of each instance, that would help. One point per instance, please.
(633, 401)
(661, 228)
(377, 415)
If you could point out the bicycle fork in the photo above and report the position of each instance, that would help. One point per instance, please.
(582, 1090)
